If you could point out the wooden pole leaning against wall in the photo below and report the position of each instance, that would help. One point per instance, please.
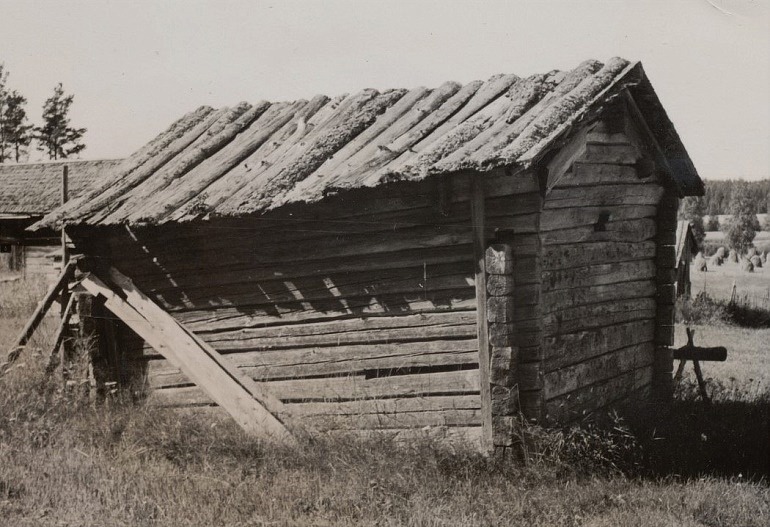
(252, 406)
(479, 258)
(37, 316)
(65, 257)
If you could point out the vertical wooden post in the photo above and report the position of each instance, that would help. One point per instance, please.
(663, 365)
(64, 198)
(479, 259)
(64, 298)
(503, 355)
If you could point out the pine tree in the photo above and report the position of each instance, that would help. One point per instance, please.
(17, 134)
(743, 225)
(692, 211)
(56, 137)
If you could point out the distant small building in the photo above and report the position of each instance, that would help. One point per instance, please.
(686, 249)
(28, 192)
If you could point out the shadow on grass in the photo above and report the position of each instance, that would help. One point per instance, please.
(689, 438)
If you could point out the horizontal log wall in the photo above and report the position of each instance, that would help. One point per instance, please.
(600, 278)
(358, 312)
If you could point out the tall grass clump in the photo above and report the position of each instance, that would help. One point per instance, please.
(741, 310)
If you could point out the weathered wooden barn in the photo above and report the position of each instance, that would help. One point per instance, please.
(686, 249)
(27, 193)
(403, 260)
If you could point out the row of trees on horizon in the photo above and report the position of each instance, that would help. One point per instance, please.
(745, 200)
(55, 137)
(719, 194)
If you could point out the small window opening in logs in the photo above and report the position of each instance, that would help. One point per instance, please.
(601, 224)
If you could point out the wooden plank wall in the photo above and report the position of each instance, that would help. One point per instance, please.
(600, 279)
(42, 261)
(358, 312)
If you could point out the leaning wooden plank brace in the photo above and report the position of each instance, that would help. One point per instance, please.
(37, 316)
(252, 407)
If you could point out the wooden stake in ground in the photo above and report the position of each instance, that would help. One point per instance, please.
(53, 360)
(696, 354)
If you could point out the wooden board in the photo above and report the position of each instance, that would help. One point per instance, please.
(580, 403)
(570, 320)
(253, 408)
(336, 360)
(599, 274)
(566, 298)
(613, 231)
(349, 388)
(573, 255)
(572, 348)
(598, 369)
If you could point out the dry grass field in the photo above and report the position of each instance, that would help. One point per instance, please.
(66, 461)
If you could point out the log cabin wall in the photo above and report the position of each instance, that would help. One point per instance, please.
(37, 255)
(359, 312)
(605, 230)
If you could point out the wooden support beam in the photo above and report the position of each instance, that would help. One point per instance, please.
(37, 316)
(253, 408)
(60, 331)
(718, 354)
(479, 258)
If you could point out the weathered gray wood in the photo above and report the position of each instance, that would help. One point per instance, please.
(572, 348)
(479, 256)
(641, 194)
(227, 317)
(37, 316)
(618, 154)
(573, 255)
(717, 353)
(566, 298)
(388, 406)
(553, 219)
(599, 274)
(150, 158)
(585, 174)
(336, 360)
(562, 162)
(412, 282)
(592, 316)
(613, 231)
(144, 271)
(237, 394)
(348, 388)
(581, 402)
(598, 369)
(245, 341)
(397, 420)
(60, 334)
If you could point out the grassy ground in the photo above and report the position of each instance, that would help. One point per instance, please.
(68, 462)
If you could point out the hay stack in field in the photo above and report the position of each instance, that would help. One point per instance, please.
(746, 265)
(764, 257)
(715, 261)
(721, 252)
(756, 261)
(700, 263)
(733, 257)
(751, 252)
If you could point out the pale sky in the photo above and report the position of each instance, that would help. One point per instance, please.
(136, 66)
